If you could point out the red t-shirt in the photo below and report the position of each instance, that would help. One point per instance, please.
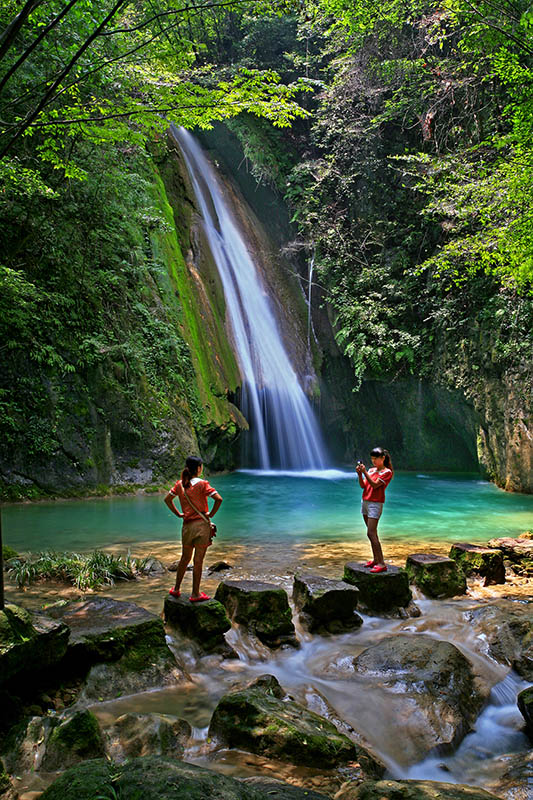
(199, 491)
(376, 494)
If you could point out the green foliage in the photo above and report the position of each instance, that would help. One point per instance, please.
(91, 571)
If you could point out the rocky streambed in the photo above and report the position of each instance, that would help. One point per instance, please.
(364, 688)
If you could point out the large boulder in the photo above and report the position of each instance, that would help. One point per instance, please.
(124, 643)
(263, 608)
(135, 735)
(487, 562)
(517, 552)
(326, 605)
(29, 643)
(507, 628)
(260, 719)
(152, 778)
(205, 622)
(525, 706)
(436, 576)
(413, 790)
(440, 697)
(379, 591)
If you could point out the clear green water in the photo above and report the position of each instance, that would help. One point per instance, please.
(283, 509)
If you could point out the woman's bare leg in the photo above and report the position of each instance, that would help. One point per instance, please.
(372, 533)
(186, 555)
(199, 555)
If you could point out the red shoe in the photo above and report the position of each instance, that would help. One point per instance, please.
(174, 593)
(370, 564)
(200, 597)
(379, 568)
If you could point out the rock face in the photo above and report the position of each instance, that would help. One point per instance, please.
(260, 720)
(435, 679)
(525, 705)
(29, 643)
(125, 643)
(326, 605)
(383, 591)
(261, 607)
(436, 576)
(135, 735)
(508, 630)
(155, 778)
(518, 552)
(487, 562)
(205, 622)
(415, 790)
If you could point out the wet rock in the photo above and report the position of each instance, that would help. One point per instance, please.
(514, 782)
(326, 605)
(487, 562)
(525, 706)
(413, 790)
(436, 576)
(153, 567)
(507, 628)
(273, 789)
(441, 696)
(261, 607)
(260, 719)
(135, 735)
(519, 553)
(382, 591)
(29, 643)
(205, 622)
(149, 778)
(219, 566)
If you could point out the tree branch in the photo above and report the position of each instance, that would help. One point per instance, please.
(8, 36)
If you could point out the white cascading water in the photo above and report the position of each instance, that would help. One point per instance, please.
(283, 431)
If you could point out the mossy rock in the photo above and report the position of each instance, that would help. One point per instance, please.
(525, 706)
(416, 790)
(436, 576)
(205, 622)
(259, 719)
(8, 553)
(381, 591)
(487, 562)
(134, 735)
(261, 607)
(326, 605)
(29, 643)
(508, 629)
(76, 738)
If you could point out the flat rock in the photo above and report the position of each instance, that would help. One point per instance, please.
(487, 562)
(263, 608)
(134, 735)
(414, 790)
(260, 719)
(507, 627)
(525, 706)
(326, 605)
(29, 643)
(436, 576)
(518, 552)
(442, 695)
(204, 622)
(382, 591)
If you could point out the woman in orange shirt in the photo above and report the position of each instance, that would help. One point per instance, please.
(197, 531)
(373, 482)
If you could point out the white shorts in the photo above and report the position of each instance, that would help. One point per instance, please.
(372, 510)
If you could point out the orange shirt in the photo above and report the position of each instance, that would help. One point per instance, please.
(376, 494)
(199, 490)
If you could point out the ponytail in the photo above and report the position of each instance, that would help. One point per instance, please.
(387, 461)
(190, 470)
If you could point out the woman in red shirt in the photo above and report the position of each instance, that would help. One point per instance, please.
(373, 482)
(196, 533)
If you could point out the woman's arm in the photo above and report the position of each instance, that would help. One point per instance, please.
(359, 469)
(169, 501)
(216, 505)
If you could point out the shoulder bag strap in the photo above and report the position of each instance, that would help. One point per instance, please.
(190, 502)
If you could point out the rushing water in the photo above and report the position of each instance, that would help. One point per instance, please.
(283, 430)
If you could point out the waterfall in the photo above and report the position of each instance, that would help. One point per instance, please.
(283, 431)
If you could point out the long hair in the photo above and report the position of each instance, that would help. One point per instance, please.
(380, 451)
(190, 470)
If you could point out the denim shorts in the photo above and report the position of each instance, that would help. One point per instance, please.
(372, 510)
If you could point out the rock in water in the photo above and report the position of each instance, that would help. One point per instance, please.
(29, 643)
(260, 719)
(440, 695)
(219, 566)
(263, 608)
(205, 622)
(525, 705)
(326, 605)
(414, 790)
(135, 735)
(508, 630)
(518, 552)
(379, 591)
(473, 559)
(436, 576)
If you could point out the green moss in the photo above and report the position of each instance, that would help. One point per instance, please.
(8, 552)
(80, 735)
